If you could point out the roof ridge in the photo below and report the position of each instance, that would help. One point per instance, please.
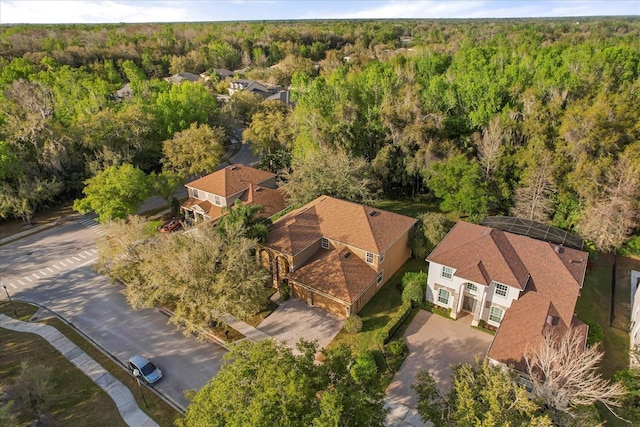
(502, 246)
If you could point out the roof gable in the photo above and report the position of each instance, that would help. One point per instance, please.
(230, 180)
(356, 225)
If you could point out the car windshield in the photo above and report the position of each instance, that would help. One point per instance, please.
(148, 368)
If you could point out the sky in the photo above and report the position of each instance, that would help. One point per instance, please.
(115, 11)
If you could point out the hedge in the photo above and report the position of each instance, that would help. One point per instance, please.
(389, 330)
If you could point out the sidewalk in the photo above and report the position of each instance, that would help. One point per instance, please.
(37, 229)
(121, 395)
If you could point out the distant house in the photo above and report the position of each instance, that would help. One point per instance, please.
(336, 254)
(211, 194)
(180, 77)
(265, 91)
(517, 284)
(124, 92)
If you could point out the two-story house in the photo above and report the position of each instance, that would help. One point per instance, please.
(515, 283)
(211, 194)
(336, 254)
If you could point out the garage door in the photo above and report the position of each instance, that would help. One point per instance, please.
(329, 305)
(299, 292)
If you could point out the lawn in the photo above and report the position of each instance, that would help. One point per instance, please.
(379, 310)
(408, 207)
(74, 396)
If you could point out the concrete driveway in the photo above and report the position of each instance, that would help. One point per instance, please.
(435, 343)
(295, 319)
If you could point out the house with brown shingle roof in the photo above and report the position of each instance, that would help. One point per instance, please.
(515, 283)
(211, 194)
(336, 254)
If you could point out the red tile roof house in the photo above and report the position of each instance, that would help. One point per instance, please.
(336, 254)
(209, 195)
(516, 283)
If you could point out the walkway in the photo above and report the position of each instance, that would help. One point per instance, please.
(124, 400)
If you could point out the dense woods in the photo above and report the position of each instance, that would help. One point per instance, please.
(534, 118)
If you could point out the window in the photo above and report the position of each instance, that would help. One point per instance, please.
(472, 288)
(501, 289)
(381, 258)
(216, 200)
(195, 193)
(369, 258)
(447, 272)
(379, 278)
(443, 296)
(495, 314)
(325, 243)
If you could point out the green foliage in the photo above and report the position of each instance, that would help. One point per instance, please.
(353, 324)
(365, 370)
(414, 287)
(165, 185)
(395, 352)
(631, 247)
(265, 384)
(114, 193)
(430, 230)
(247, 217)
(9, 163)
(596, 334)
(285, 291)
(386, 333)
(182, 105)
(630, 406)
(459, 183)
(197, 150)
(482, 394)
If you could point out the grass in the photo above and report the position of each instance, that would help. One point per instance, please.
(73, 398)
(408, 207)
(76, 396)
(378, 311)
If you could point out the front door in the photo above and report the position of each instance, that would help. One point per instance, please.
(469, 304)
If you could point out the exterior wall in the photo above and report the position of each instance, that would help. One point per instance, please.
(366, 297)
(302, 257)
(485, 297)
(634, 334)
(394, 258)
(325, 302)
(270, 183)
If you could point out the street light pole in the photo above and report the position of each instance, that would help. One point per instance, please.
(10, 301)
(136, 373)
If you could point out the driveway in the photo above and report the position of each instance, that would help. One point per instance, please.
(435, 343)
(295, 319)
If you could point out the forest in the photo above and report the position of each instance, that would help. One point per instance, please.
(532, 118)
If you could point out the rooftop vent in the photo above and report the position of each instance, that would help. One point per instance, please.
(347, 255)
(373, 213)
(558, 249)
(234, 167)
(258, 189)
(553, 320)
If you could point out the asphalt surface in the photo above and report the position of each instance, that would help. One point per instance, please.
(54, 268)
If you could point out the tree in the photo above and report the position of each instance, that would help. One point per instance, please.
(182, 105)
(565, 374)
(115, 192)
(27, 196)
(255, 226)
(329, 172)
(243, 104)
(534, 199)
(6, 415)
(265, 384)
(481, 395)
(430, 230)
(34, 386)
(461, 186)
(268, 131)
(197, 150)
(611, 216)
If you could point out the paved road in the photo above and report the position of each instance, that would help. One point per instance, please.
(53, 268)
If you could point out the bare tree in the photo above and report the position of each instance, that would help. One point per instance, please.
(611, 216)
(534, 199)
(565, 374)
(490, 145)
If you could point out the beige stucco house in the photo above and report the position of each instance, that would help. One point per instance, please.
(211, 194)
(336, 254)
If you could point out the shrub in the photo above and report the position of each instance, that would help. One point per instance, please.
(353, 324)
(285, 291)
(596, 334)
(365, 368)
(387, 332)
(631, 247)
(413, 292)
(396, 351)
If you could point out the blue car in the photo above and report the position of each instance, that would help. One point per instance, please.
(147, 371)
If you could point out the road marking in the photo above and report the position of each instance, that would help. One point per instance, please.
(95, 251)
(21, 282)
(28, 279)
(13, 286)
(49, 268)
(76, 258)
(35, 275)
(56, 266)
(82, 255)
(63, 264)
(88, 253)
(69, 261)
(44, 273)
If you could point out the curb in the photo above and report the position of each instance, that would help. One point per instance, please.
(114, 359)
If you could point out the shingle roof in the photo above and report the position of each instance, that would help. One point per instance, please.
(230, 180)
(356, 225)
(270, 199)
(336, 272)
(555, 274)
(213, 211)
